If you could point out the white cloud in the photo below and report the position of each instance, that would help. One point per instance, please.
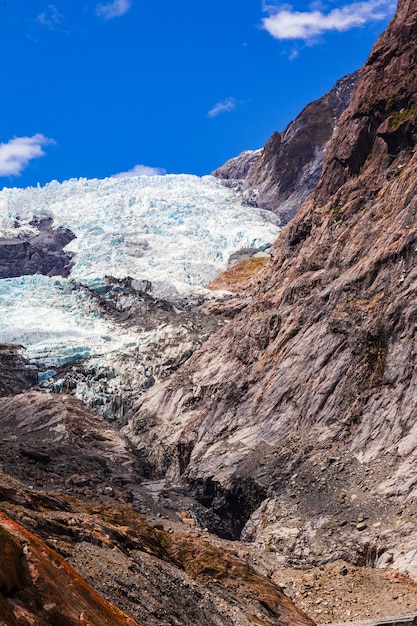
(16, 154)
(141, 170)
(113, 9)
(51, 17)
(225, 106)
(285, 23)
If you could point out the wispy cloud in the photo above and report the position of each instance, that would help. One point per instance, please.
(285, 23)
(141, 170)
(113, 9)
(224, 106)
(51, 17)
(16, 154)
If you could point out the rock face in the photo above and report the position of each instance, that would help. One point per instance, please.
(300, 413)
(238, 167)
(16, 374)
(38, 587)
(56, 441)
(40, 252)
(286, 171)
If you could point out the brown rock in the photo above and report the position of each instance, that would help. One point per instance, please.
(283, 174)
(37, 583)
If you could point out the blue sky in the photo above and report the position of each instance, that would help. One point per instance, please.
(94, 89)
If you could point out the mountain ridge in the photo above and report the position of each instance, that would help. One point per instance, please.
(281, 175)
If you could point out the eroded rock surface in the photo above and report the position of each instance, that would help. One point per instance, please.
(41, 251)
(55, 441)
(306, 399)
(158, 576)
(16, 374)
(38, 587)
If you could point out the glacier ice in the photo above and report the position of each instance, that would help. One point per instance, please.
(176, 231)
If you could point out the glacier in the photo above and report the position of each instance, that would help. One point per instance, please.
(175, 231)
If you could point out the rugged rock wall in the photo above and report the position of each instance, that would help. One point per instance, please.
(16, 374)
(306, 399)
(286, 171)
(40, 252)
(38, 587)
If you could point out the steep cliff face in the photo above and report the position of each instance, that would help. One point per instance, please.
(286, 171)
(300, 413)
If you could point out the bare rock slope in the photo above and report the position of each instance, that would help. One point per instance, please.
(295, 425)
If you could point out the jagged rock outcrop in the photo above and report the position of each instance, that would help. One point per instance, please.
(40, 252)
(305, 401)
(16, 374)
(38, 587)
(56, 441)
(282, 175)
(238, 167)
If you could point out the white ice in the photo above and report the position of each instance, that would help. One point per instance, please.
(176, 228)
(175, 231)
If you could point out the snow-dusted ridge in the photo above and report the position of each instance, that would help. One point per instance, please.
(176, 231)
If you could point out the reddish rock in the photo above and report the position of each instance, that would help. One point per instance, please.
(38, 586)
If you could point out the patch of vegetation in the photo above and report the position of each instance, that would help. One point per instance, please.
(390, 103)
(337, 213)
(239, 273)
(399, 117)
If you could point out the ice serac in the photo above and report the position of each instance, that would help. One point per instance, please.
(107, 272)
(306, 400)
(121, 226)
(281, 175)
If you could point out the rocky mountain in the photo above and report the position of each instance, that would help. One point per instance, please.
(183, 451)
(282, 175)
(294, 425)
